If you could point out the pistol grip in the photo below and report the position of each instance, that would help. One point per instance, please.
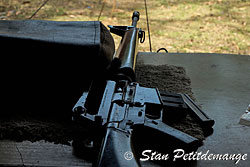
(116, 150)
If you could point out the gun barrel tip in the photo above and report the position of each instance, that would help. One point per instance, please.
(136, 14)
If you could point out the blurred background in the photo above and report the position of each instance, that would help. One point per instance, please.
(204, 26)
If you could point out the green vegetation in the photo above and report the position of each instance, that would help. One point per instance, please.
(214, 26)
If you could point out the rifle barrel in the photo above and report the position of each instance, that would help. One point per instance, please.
(135, 18)
(127, 50)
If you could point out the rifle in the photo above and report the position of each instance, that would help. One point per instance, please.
(118, 108)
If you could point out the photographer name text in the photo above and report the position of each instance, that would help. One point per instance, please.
(180, 154)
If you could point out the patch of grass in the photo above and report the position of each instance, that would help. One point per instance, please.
(221, 26)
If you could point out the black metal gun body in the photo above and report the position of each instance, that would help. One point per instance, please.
(120, 106)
